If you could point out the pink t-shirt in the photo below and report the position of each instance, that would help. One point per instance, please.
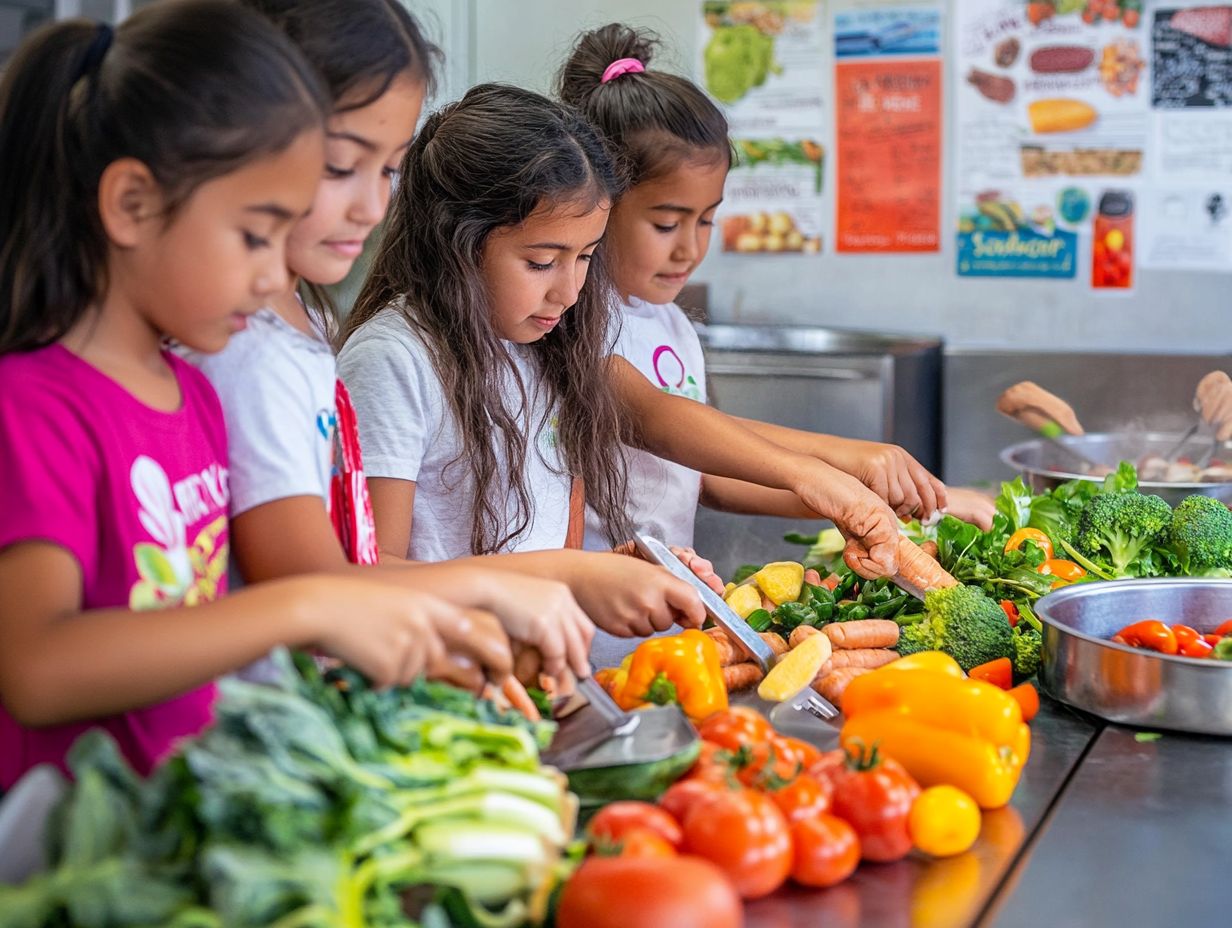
(137, 496)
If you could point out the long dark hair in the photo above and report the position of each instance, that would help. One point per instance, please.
(193, 89)
(654, 120)
(485, 163)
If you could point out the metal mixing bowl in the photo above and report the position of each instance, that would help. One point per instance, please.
(1043, 465)
(1136, 687)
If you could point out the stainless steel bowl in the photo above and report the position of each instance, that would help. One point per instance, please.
(1135, 687)
(1043, 465)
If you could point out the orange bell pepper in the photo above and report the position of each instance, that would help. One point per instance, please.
(680, 668)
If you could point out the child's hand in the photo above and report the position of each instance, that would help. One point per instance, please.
(387, 633)
(1035, 407)
(702, 568)
(971, 506)
(476, 647)
(868, 524)
(544, 615)
(1214, 401)
(893, 474)
(629, 598)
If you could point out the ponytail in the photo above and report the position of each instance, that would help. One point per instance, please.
(193, 89)
(653, 119)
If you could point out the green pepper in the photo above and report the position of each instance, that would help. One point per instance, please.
(759, 620)
(793, 615)
(890, 606)
(845, 584)
(854, 613)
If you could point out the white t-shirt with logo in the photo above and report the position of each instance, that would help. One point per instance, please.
(408, 432)
(276, 385)
(660, 341)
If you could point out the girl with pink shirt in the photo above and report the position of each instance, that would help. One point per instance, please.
(148, 180)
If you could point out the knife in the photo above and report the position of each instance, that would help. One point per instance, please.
(736, 628)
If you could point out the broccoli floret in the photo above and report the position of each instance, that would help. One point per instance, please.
(1121, 528)
(1201, 535)
(1026, 651)
(962, 622)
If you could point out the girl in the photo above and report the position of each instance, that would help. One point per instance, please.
(478, 351)
(148, 179)
(674, 143)
(377, 68)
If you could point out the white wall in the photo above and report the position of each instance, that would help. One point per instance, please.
(524, 41)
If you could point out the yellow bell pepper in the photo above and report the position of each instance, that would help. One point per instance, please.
(613, 679)
(936, 661)
(943, 729)
(681, 668)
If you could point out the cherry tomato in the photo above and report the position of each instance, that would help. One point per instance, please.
(1150, 634)
(827, 850)
(1063, 570)
(874, 794)
(796, 751)
(766, 764)
(642, 892)
(642, 842)
(736, 727)
(1033, 535)
(1189, 642)
(680, 796)
(746, 836)
(804, 797)
(712, 764)
(613, 821)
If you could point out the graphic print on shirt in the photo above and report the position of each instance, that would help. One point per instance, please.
(174, 572)
(671, 374)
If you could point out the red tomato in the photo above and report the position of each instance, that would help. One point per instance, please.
(874, 794)
(796, 751)
(746, 836)
(1225, 628)
(643, 892)
(710, 765)
(766, 762)
(736, 727)
(803, 797)
(680, 796)
(613, 821)
(830, 764)
(642, 842)
(827, 851)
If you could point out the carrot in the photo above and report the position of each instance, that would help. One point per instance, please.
(999, 672)
(833, 685)
(813, 577)
(513, 690)
(868, 658)
(920, 570)
(1026, 696)
(728, 652)
(776, 642)
(863, 633)
(737, 677)
(800, 633)
(930, 548)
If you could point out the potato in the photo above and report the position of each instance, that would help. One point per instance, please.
(781, 581)
(744, 600)
(773, 242)
(748, 242)
(758, 222)
(780, 223)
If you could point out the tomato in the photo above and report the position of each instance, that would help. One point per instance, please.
(1224, 629)
(736, 727)
(643, 842)
(796, 751)
(712, 764)
(1011, 612)
(644, 892)
(1189, 643)
(944, 821)
(1061, 569)
(874, 794)
(803, 797)
(680, 796)
(746, 836)
(827, 851)
(766, 763)
(1033, 535)
(830, 764)
(611, 823)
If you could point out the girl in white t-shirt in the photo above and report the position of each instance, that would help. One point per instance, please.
(298, 497)
(479, 359)
(675, 144)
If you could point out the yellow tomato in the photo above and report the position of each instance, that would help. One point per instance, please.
(944, 821)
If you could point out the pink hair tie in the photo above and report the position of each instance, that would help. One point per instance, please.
(621, 66)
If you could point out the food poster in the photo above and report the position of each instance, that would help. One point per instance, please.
(1185, 221)
(763, 63)
(887, 98)
(1052, 125)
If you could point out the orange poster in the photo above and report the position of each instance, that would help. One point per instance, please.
(889, 155)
